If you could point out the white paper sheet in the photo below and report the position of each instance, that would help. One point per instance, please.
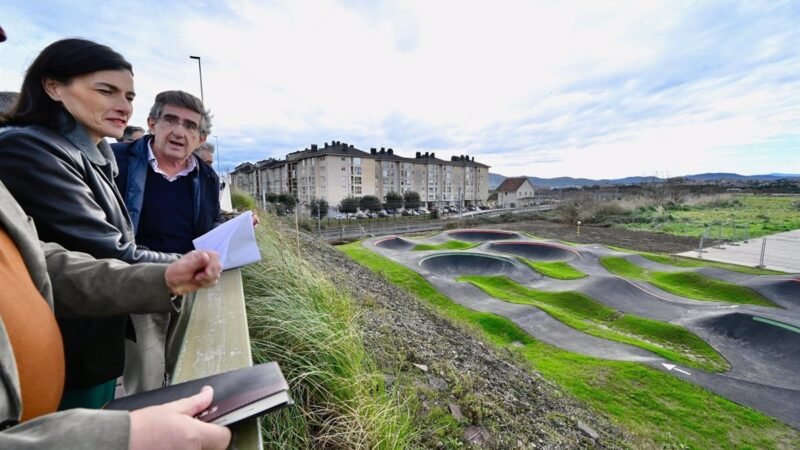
(234, 240)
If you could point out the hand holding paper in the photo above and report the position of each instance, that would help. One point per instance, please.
(234, 241)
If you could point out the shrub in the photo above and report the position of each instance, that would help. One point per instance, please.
(319, 207)
(412, 199)
(605, 211)
(370, 203)
(242, 201)
(287, 200)
(394, 200)
(348, 205)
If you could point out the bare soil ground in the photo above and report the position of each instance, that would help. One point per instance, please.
(634, 240)
(464, 392)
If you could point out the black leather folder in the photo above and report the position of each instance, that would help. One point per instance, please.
(238, 394)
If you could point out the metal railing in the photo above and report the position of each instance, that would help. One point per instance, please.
(777, 252)
(216, 339)
(772, 252)
(344, 230)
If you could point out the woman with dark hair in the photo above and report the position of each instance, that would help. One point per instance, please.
(56, 163)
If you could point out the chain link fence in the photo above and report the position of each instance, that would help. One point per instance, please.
(771, 252)
(777, 252)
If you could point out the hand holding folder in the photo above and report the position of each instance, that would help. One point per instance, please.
(238, 394)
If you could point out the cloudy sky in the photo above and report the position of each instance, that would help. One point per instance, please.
(542, 88)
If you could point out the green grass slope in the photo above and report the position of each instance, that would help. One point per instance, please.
(661, 411)
(558, 270)
(449, 245)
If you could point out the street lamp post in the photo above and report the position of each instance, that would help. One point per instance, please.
(200, 69)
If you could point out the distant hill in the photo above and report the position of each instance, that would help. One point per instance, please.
(735, 176)
(564, 182)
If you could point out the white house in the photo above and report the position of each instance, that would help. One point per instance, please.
(515, 193)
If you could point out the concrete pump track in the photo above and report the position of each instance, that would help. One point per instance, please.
(761, 343)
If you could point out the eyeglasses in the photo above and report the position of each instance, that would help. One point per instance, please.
(174, 121)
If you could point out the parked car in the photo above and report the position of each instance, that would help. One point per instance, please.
(423, 211)
(383, 213)
(361, 215)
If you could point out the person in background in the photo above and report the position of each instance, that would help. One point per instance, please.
(206, 153)
(131, 133)
(59, 168)
(173, 197)
(7, 100)
(33, 274)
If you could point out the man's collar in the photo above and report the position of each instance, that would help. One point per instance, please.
(191, 164)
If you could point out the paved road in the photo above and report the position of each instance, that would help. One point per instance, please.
(781, 252)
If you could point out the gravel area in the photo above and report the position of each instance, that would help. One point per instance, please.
(481, 397)
(644, 241)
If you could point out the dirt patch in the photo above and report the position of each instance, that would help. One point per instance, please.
(466, 393)
(644, 241)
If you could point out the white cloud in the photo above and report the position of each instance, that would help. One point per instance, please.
(561, 88)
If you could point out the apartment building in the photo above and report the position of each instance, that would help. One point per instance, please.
(339, 170)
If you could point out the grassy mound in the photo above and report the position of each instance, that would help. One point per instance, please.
(558, 270)
(583, 313)
(680, 261)
(449, 245)
(686, 284)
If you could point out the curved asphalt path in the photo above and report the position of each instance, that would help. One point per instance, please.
(765, 360)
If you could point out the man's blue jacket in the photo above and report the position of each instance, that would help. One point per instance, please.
(132, 161)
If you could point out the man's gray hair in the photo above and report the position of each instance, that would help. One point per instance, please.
(7, 100)
(182, 100)
(127, 135)
(205, 147)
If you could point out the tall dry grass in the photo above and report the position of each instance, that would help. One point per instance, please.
(300, 319)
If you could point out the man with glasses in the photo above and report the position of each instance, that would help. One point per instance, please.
(172, 197)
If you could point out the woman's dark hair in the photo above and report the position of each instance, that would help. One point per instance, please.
(61, 61)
